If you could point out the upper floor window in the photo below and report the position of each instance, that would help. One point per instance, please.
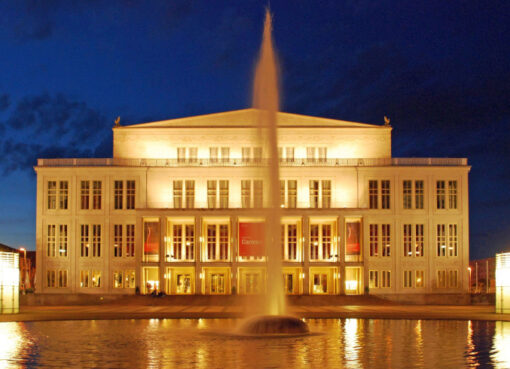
(375, 197)
(124, 240)
(410, 201)
(214, 188)
(447, 240)
(90, 200)
(380, 240)
(215, 157)
(90, 240)
(57, 240)
(290, 242)
(218, 236)
(251, 198)
(182, 245)
(251, 154)
(320, 193)
(189, 192)
(444, 189)
(124, 194)
(187, 154)
(316, 154)
(288, 193)
(413, 240)
(321, 242)
(286, 154)
(58, 195)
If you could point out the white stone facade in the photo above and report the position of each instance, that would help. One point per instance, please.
(96, 218)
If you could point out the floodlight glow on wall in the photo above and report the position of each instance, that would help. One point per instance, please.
(503, 283)
(9, 282)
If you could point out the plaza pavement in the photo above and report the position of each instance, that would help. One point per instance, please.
(119, 311)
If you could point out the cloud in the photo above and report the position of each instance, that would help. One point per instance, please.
(53, 126)
(5, 101)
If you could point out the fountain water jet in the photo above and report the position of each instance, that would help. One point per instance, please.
(266, 100)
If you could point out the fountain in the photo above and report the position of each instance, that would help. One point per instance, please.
(266, 100)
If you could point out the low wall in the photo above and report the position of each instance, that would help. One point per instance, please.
(429, 299)
(229, 300)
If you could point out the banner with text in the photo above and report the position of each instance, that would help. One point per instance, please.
(251, 239)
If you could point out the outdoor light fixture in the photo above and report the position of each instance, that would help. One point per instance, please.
(9, 282)
(503, 283)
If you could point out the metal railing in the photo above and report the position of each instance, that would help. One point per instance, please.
(362, 162)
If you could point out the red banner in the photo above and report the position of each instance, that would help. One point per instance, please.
(151, 238)
(352, 238)
(251, 239)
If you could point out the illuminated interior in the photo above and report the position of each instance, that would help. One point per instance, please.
(503, 283)
(9, 282)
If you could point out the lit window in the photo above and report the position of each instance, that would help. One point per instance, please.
(420, 279)
(321, 242)
(96, 194)
(52, 194)
(117, 240)
(447, 240)
(218, 245)
(373, 281)
(408, 278)
(290, 242)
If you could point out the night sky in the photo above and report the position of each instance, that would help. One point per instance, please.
(440, 70)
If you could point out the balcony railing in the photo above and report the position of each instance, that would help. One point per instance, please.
(364, 162)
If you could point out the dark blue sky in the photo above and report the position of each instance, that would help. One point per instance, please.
(439, 70)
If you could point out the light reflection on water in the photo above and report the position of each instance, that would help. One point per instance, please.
(346, 343)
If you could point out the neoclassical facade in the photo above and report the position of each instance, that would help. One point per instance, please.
(175, 210)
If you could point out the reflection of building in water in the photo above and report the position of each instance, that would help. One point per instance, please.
(172, 211)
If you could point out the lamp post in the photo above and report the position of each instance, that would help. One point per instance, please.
(24, 268)
(469, 270)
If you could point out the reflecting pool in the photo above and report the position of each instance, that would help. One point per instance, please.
(184, 343)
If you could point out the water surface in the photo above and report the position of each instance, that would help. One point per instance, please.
(183, 343)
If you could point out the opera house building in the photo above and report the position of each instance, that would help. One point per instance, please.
(175, 211)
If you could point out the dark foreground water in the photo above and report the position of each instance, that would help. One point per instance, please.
(186, 343)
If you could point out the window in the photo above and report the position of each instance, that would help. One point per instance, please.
(189, 191)
(386, 279)
(177, 194)
(407, 195)
(408, 278)
(84, 240)
(246, 154)
(373, 194)
(117, 241)
(217, 283)
(380, 240)
(218, 237)
(246, 193)
(57, 243)
(61, 198)
(213, 154)
(288, 191)
(447, 240)
(453, 279)
(289, 154)
(51, 277)
(320, 193)
(223, 194)
(118, 279)
(321, 238)
(257, 154)
(452, 194)
(190, 158)
(420, 279)
(374, 239)
(96, 240)
(51, 240)
(124, 279)
(96, 279)
(52, 194)
(90, 234)
(182, 245)
(290, 242)
(225, 154)
(130, 194)
(118, 194)
(130, 240)
(56, 278)
(62, 240)
(385, 194)
(121, 202)
(373, 281)
(96, 194)
(211, 194)
(413, 240)
(447, 279)
(190, 194)
(84, 194)
(85, 279)
(316, 154)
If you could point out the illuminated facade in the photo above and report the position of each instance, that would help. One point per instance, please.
(174, 210)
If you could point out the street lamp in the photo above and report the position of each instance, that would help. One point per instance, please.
(469, 270)
(24, 268)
